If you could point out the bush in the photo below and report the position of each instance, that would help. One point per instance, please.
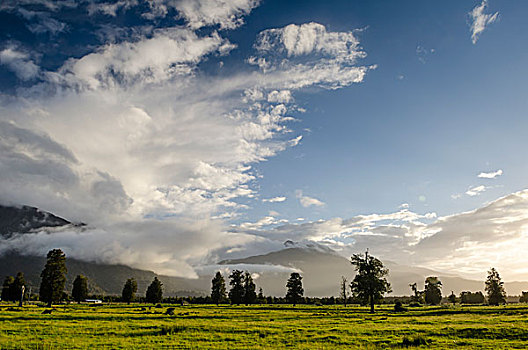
(414, 341)
(398, 307)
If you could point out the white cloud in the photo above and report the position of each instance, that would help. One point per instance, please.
(167, 54)
(308, 201)
(283, 96)
(476, 190)
(491, 174)
(228, 14)
(274, 199)
(19, 62)
(307, 54)
(480, 20)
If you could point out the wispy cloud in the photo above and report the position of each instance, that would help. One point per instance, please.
(491, 174)
(476, 190)
(480, 20)
(274, 199)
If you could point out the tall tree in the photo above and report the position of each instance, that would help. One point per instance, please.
(7, 287)
(154, 292)
(236, 293)
(370, 282)
(218, 288)
(260, 297)
(495, 288)
(129, 290)
(343, 292)
(295, 292)
(80, 288)
(250, 295)
(433, 292)
(53, 277)
(18, 288)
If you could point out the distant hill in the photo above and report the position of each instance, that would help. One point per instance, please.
(103, 278)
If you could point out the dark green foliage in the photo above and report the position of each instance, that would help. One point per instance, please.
(495, 288)
(370, 282)
(80, 288)
(7, 287)
(433, 292)
(524, 297)
(129, 290)
(218, 289)
(236, 293)
(53, 277)
(154, 292)
(472, 298)
(295, 291)
(250, 295)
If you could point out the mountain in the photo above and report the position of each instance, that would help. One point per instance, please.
(322, 273)
(26, 219)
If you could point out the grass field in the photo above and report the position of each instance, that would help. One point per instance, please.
(261, 326)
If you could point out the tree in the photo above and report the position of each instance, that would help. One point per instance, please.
(370, 283)
(524, 297)
(452, 298)
(18, 288)
(343, 292)
(236, 293)
(53, 277)
(129, 290)
(433, 292)
(250, 296)
(154, 292)
(472, 298)
(260, 297)
(80, 288)
(218, 289)
(495, 288)
(418, 296)
(295, 291)
(7, 288)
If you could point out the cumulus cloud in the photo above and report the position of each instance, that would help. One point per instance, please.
(480, 20)
(19, 62)
(308, 201)
(491, 174)
(307, 54)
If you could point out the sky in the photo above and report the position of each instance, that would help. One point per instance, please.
(184, 132)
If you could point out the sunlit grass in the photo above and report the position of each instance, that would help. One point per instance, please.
(262, 326)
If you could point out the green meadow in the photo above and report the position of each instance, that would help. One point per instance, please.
(262, 326)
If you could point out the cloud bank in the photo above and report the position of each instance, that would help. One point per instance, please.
(136, 138)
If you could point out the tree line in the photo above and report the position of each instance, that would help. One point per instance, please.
(367, 288)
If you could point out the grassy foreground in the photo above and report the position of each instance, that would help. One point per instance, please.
(261, 326)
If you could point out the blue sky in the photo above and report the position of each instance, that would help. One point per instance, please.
(187, 131)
